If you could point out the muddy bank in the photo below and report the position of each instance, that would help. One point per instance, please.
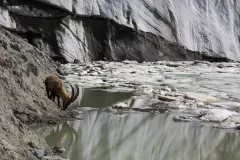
(23, 98)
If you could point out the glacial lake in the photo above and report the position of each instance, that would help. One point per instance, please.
(104, 135)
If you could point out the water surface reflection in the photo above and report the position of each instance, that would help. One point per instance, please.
(141, 136)
(99, 98)
(103, 135)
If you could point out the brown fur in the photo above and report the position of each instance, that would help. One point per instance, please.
(55, 88)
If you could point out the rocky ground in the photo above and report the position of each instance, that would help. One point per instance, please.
(23, 98)
(206, 92)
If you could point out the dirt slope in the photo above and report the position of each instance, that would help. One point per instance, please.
(23, 99)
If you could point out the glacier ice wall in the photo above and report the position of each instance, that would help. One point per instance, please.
(142, 30)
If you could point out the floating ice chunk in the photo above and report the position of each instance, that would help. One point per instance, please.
(199, 96)
(120, 105)
(227, 104)
(215, 115)
(210, 115)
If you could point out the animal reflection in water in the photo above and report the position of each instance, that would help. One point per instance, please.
(55, 88)
(63, 135)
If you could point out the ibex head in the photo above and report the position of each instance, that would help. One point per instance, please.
(55, 88)
(71, 98)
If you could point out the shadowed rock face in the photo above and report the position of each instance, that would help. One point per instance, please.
(134, 30)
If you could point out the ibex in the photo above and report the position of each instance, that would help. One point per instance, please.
(55, 88)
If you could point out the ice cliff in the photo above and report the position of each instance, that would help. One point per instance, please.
(142, 30)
